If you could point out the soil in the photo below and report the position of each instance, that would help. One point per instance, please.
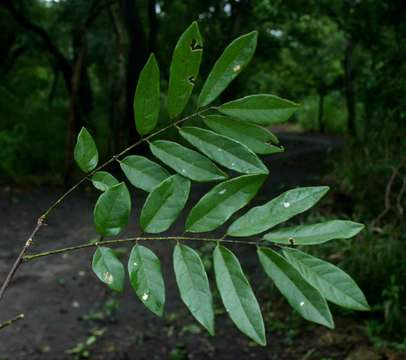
(65, 305)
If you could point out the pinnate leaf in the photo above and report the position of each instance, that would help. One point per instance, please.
(237, 295)
(184, 69)
(194, 285)
(147, 97)
(232, 61)
(262, 109)
(146, 278)
(85, 152)
(108, 268)
(187, 162)
(225, 151)
(276, 211)
(332, 282)
(315, 233)
(164, 203)
(112, 210)
(303, 297)
(142, 172)
(216, 207)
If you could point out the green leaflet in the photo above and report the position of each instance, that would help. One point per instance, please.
(315, 233)
(164, 204)
(333, 283)
(194, 285)
(146, 278)
(276, 211)
(112, 210)
(232, 61)
(253, 136)
(186, 162)
(85, 152)
(225, 151)
(216, 207)
(237, 295)
(184, 69)
(147, 97)
(102, 180)
(108, 268)
(303, 297)
(142, 172)
(262, 109)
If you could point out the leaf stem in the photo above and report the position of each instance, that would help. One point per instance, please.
(27, 258)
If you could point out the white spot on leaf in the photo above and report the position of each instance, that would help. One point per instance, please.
(286, 204)
(135, 264)
(236, 68)
(302, 303)
(222, 191)
(108, 278)
(145, 296)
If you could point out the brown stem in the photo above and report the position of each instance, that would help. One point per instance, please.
(11, 321)
(134, 239)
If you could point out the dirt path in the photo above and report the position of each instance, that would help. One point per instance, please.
(63, 301)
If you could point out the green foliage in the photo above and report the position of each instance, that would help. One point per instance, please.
(222, 201)
(237, 295)
(280, 209)
(254, 137)
(142, 172)
(112, 210)
(146, 278)
(108, 268)
(303, 297)
(102, 180)
(305, 281)
(313, 234)
(262, 109)
(147, 97)
(194, 285)
(186, 162)
(184, 69)
(86, 154)
(234, 59)
(164, 204)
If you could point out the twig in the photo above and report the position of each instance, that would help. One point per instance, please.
(27, 258)
(11, 321)
(388, 191)
(400, 196)
(41, 220)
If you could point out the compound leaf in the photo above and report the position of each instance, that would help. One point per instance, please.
(142, 172)
(303, 297)
(108, 268)
(164, 204)
(194, 285)
(112, 210)
(147, 97)
(85, 152)
(276, 211)
(146, 278)
(237, 295)
(262, 109)
(184, 69)
(216, 207)
(225, 151)
(232, 61)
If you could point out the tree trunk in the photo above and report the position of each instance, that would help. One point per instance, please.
(320, 116)
(136, 60)
(349, 87)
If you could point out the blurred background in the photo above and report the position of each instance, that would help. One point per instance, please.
(71, 63)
